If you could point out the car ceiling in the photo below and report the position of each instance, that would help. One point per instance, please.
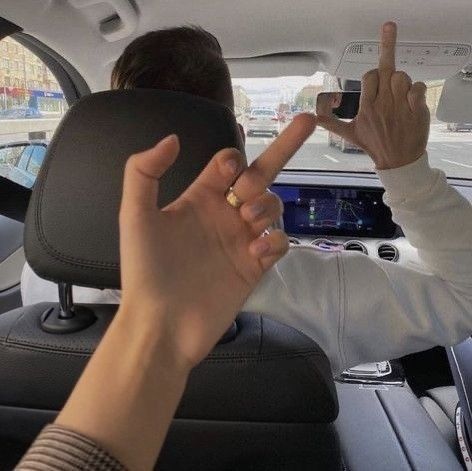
(259, 38)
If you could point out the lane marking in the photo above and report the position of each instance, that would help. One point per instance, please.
(431, 148)
(452, 146)
(456, 163)
(331, 158)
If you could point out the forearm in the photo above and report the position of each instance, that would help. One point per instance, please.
(393, 310)
(435, 218)
(129, 391)
(361, 309)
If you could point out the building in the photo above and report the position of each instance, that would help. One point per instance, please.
(306, 97)
(242, 103)
(26, 81)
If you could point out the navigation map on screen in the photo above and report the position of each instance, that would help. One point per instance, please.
(338, 211)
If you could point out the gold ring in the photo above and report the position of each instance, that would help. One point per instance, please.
(232, 199)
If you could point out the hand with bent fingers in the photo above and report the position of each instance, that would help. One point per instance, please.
(392, 124)
(164, 272)
(186, 270)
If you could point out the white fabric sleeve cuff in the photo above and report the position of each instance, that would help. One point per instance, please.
(408, 181)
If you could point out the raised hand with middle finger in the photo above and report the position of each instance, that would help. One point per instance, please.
(392, 124)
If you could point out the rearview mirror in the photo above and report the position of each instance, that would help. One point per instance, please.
(344, 105)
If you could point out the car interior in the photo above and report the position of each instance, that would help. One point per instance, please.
(266, 397)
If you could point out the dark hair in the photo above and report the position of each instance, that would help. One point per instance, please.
(186, 59)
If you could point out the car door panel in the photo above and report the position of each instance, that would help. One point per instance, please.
(10, 299)
(10, 270)
(12, 259)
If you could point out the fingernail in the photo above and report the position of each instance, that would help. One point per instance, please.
(232, 166)
(388, 26)
(256, 210)
(261, 247)
(167, 140)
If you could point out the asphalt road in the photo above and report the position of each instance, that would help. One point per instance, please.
(449, 151)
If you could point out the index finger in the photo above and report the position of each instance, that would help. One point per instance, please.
(262, 172)
(388, 39)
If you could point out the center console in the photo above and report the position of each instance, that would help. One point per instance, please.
(381, 372)
(384, 427)
(381, 424)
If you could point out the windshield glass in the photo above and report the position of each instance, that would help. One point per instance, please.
(262, 113)
(449, 147)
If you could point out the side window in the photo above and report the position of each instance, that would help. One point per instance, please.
(31, 106)
(36, 160)
(25, 157)
(9, 155)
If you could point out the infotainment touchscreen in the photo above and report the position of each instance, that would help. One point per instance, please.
(349, 212)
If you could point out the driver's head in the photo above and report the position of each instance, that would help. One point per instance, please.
(185, 59)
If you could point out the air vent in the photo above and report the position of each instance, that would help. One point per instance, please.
(327, 245)
(294, 241)
(461, 51)
(319, 242)
(355, 246)
(388, 252)
(355, 49)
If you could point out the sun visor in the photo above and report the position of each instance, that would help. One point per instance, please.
(276, 65)
(455, 103)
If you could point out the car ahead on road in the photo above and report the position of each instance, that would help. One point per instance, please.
(263, 121)
(21, 113)
(289, 115)
(455, 127)
(282, 115)
(21, 161)
(344, 145)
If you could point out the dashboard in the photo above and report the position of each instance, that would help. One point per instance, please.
(335, 212)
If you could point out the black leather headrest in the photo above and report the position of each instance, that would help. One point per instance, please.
(71, 232)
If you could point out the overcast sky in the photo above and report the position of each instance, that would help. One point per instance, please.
(271, 91)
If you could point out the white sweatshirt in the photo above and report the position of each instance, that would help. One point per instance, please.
(357, 308)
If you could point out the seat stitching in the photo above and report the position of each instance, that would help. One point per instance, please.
(223, 359)
(261, 320)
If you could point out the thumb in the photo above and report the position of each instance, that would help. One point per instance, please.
(142, 172)
(341, 128)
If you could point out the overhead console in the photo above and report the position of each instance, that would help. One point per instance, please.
(423, 61)
(335, 211)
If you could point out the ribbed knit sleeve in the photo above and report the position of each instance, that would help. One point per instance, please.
(59, 449)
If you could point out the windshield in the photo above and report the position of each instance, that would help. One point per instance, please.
(262, 113)
(449, 146)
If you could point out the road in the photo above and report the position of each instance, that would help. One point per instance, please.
(449, 151)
